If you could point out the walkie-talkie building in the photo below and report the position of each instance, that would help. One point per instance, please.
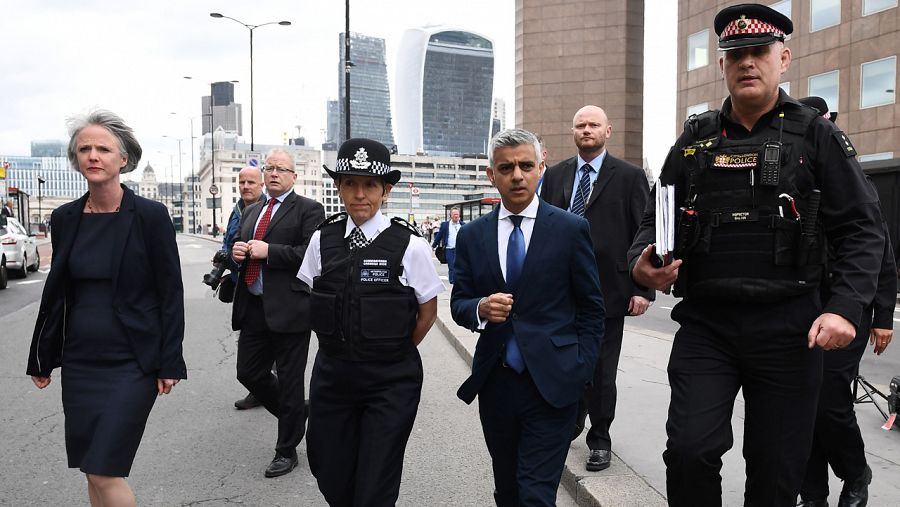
(445, 83)
(370, 98)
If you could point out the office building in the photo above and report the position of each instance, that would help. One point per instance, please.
(226, 113)
(333, 123)
(51, 148)
(60, 180)
(445, 83)
(370, 98)
(498, 112)
(843, 51)
(571, 53)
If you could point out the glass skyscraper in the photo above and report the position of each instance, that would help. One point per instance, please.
(370, 98)
(445, 83)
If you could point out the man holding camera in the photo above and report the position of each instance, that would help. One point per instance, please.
(250, 184)
(271, 306)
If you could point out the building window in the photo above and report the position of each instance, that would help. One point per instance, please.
(786, 86)
(823, 14)
(887, 155)
(826, 86)
(698, 49)
(873, 6)
(697, 109)
(784, 7)
(878, 81)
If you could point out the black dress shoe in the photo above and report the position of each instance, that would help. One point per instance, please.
(247, 402)
(281, 465)
(598, 460)
(813, 503)
(856, 493)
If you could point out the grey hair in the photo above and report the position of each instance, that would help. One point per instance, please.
(288, 154)
(513, 137)
(128, 144)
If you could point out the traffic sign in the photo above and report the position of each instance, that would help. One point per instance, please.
(213, 190)
(414, 191)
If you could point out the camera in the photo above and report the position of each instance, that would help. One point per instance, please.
(220, 265)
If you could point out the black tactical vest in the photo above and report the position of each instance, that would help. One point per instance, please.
(360, 310)
(756, 235)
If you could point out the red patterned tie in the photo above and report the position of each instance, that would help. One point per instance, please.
(255, 265)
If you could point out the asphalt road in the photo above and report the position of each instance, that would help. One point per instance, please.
(20, 292)
(197, 449)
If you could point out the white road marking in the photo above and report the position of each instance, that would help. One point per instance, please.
(44, 271)
(193, 245)
(29, 282)
(666, 307)
(896, 320)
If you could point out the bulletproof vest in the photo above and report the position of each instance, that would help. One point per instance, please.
(360, 310)
(754, 201)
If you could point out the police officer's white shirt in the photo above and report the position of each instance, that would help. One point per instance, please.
(452, 231)
(418, 268)
(257, 288)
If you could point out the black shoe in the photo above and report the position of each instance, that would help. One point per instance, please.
(247, 402)
(813, 503)
(598, 460)
(281, 465)
(856, 493)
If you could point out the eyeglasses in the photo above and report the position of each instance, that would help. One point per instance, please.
(280, 170)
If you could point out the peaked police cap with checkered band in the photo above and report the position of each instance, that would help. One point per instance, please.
(746, 25)
(364, 157)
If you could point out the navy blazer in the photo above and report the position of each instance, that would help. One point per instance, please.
(614, 210)
(440, 239)
(146, 283)
(557, 316)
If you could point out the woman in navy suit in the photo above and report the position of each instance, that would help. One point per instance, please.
(112, 311)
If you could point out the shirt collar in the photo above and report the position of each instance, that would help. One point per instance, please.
(595, 163)
(530, 211)
(371, 227)
(282, 197)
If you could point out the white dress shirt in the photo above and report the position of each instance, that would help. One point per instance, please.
(418, 268)
(452, 231)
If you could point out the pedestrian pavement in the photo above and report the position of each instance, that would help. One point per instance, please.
(637, 474)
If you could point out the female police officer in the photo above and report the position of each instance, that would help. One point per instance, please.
(374, 297)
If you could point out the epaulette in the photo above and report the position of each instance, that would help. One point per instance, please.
(399, 221)
(337, 217)
(702, 126)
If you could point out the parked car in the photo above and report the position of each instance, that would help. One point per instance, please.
(19, 248)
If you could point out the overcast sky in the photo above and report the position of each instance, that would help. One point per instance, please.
(63, 57)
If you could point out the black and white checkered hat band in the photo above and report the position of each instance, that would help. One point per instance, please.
(374, 167)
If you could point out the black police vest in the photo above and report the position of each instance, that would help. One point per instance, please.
(757, 234)
(360, 310)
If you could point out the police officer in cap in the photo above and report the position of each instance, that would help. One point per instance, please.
(374, 297)
(758, 186)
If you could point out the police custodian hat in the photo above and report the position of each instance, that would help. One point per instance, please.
(746, 25)
(364, 157)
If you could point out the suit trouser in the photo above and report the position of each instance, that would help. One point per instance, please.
(258, 347)
(523, 435)
(451, 260)
(762, 350)
(360, 416)
(837, 440)
(600, 398)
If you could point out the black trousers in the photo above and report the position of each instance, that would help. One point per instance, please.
(837, 440)
(600, 399)
(360, 416)
(258, 347)
(762, 350)
(525, 437)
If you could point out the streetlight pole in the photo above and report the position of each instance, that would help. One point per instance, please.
(347, 65)
(250, 28)
(180, 181)
(41, 182)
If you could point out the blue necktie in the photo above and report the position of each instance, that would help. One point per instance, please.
(583, 191)
(515, 258)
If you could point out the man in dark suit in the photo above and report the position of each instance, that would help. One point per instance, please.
(611, 194)
(446, 237)
(539, 340)
(7, 209)
(271, 305)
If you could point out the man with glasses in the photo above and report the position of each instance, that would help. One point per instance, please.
(271, 306)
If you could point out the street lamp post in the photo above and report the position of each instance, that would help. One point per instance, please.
(347, 65)
(180, 181)
(250, 28)
(213, 189)
(41, 182)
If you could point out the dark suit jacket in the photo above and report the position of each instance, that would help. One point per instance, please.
(614, 211)
(149, 296)
(440, 239)
(285, 297)
(557, 316)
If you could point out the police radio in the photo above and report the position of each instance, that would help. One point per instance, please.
(771, 164)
